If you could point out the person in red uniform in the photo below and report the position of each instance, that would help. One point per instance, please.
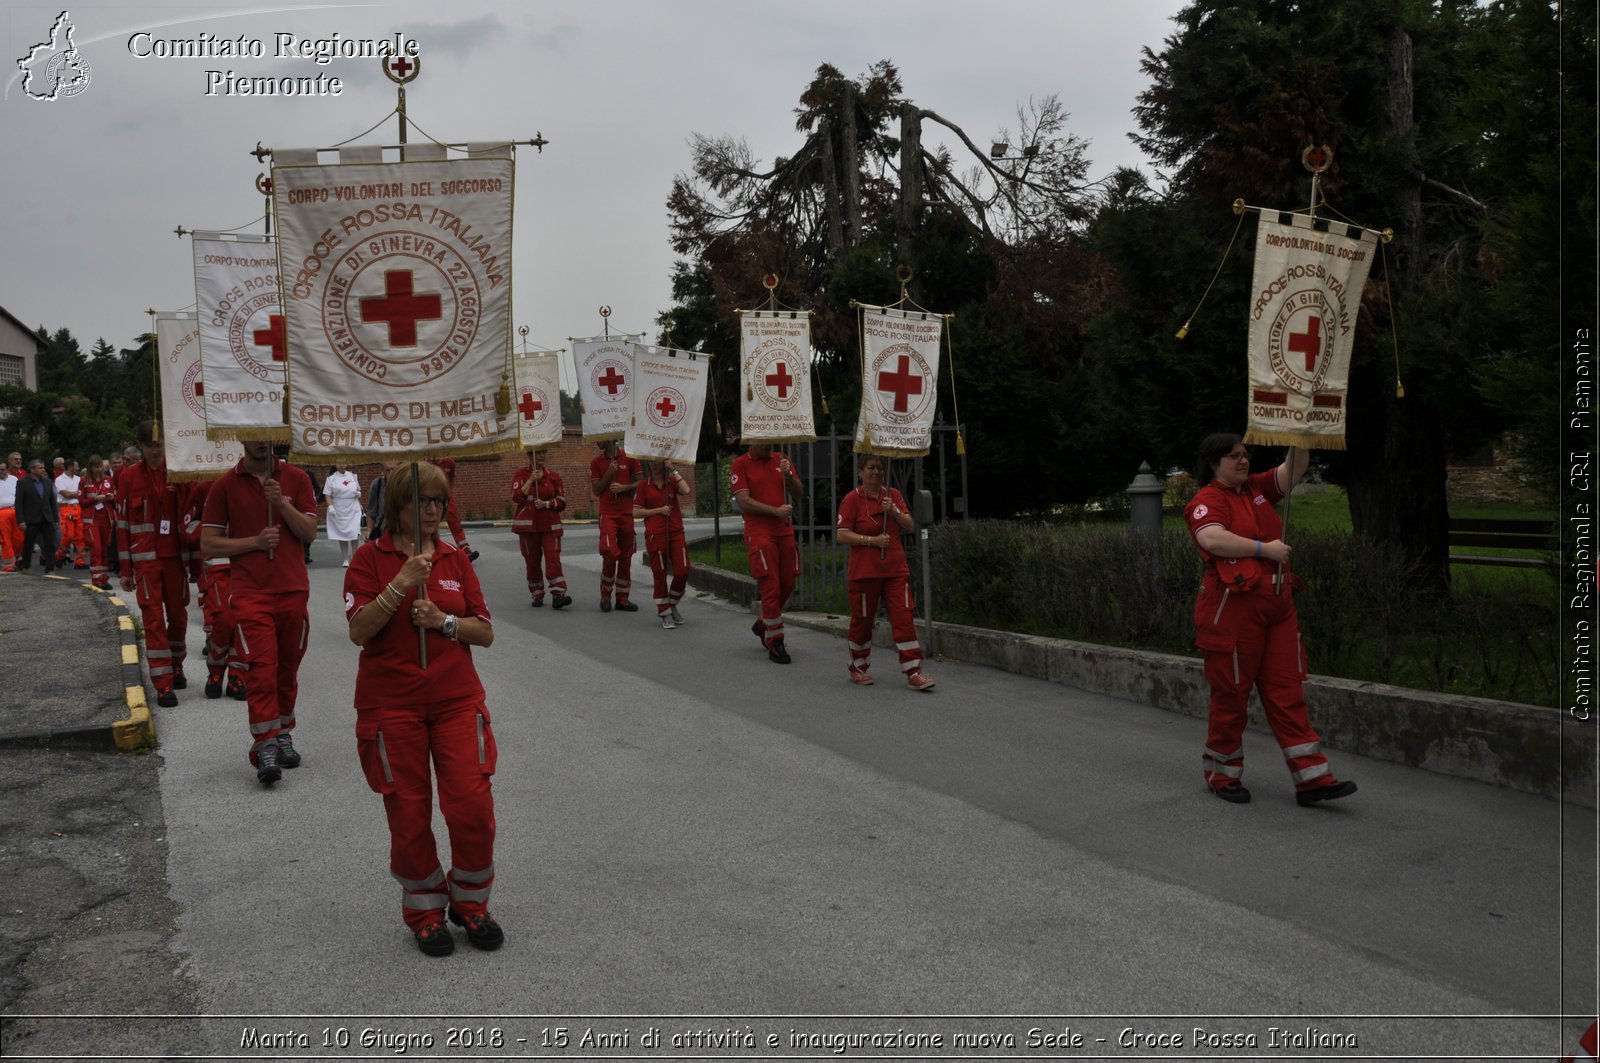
(613, 476)
(540, 497)
(10, 530)
(766, 487)
(259, 514)
(1245, 621)
(452, 516)
(871, 520)
(212, 577)
(150, 551)
(99, 519)
(656, 502)
(408, 716)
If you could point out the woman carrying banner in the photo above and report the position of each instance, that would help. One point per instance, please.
(407, 716)
(1245, 621)
(656, 503)
(871, 520)
(343, 492)
(540, 497)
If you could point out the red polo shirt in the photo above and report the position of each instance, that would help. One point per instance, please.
(237, 505)
(1248, 512)
(864, 515)
(760, 476)
(649, 496)
(389, 672)
(628, 472)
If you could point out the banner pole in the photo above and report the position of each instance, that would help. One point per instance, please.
(416, 550)
(1288, 488)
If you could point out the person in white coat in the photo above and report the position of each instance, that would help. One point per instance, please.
(343, 492)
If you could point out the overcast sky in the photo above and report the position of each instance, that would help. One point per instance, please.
(95, 184)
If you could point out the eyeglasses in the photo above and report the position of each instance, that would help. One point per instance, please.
(1243, 455)
(435, 501)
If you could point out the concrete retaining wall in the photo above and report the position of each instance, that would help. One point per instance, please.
(1521, 747)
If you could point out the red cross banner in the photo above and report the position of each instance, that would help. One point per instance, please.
(776, 370)
(669, 402)
(536, 402)
(899, 381)
(1306, 295)
(605, 385)
(397, 298)
(190, 454)
(242, 344)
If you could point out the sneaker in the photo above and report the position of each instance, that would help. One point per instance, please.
(560, 601)
(605, 605)
(919, 681)
(538, 603)
(625, 606)
(435, 939)
(666, 622)
(236, 689)
(347, 564)
(472, 555)
(1234, 793)
(267, 770)
(777, 654)
(213, 687)
(677, 617)
(179, 681)
(1325, 793)
(759, 631)
(482, 930)
(288, 756)
(167, 699)
(860, 678)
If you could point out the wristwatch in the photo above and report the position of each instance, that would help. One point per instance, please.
(451, 624)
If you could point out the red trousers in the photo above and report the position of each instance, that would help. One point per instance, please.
(72, 540)
(396, 743)
(775, 564)
(895, 594)
(541, 555)
(269, 639)
(10, 539)
(162, 590)
(617, 544)
(219, 618)
(1251, 639)
(101, 536)
(668, 551)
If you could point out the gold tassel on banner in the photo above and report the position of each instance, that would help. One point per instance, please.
(502, 397)
(286, 402)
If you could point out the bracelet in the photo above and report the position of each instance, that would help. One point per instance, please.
(1258, 547)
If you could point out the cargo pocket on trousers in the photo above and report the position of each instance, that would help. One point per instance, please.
(1209, 634)
(488, 752)
(374, 757)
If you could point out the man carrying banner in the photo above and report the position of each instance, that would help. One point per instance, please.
(1245, 621)
(540, 497)
(613, 476)
(150, 553)
(765, 486)
(259, 513)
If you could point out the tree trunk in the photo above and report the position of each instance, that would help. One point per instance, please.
(1396, 445)
(830, 192)
(910, 182)
(852, 168)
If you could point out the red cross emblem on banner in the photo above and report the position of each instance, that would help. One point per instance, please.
(199, 389)
(665, 407)
(273, 336)
(611, 380)
(530, 407)
(401, 67)
(902, 384)
(1309, 342)
(781, 381)
(400, 308)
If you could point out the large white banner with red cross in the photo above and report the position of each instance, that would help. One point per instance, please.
(190, 454)
(899, 381)
(538, 398)
(1306, 295)
(669, 403)
(397, 299)
(775, 350)
(243, 348)
(604, 366)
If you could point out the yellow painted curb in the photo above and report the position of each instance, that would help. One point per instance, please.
(130, 654)
(131, 733)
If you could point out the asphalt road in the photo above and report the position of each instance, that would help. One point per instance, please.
(688, 830)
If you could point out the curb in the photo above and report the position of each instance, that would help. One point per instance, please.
(1529, 748)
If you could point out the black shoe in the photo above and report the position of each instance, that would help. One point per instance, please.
(472, 555)
(435, 939)
(626, 607)
(179, 681)
(561, 601)
(759, 632)
(236, 689)
(538, 603)
(214, 688)
(482, 930)
(167, 699)
(1233, 793)
(288, 756)
(1325, 793)
(777, 654)
(605, 605)
(267, 770)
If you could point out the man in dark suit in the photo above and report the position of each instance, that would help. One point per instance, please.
(39, 517)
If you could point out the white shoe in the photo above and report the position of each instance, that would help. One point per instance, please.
(667, 622)
(677, 617)
(347, 564)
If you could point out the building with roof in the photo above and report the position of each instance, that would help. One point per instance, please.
(19, 352)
